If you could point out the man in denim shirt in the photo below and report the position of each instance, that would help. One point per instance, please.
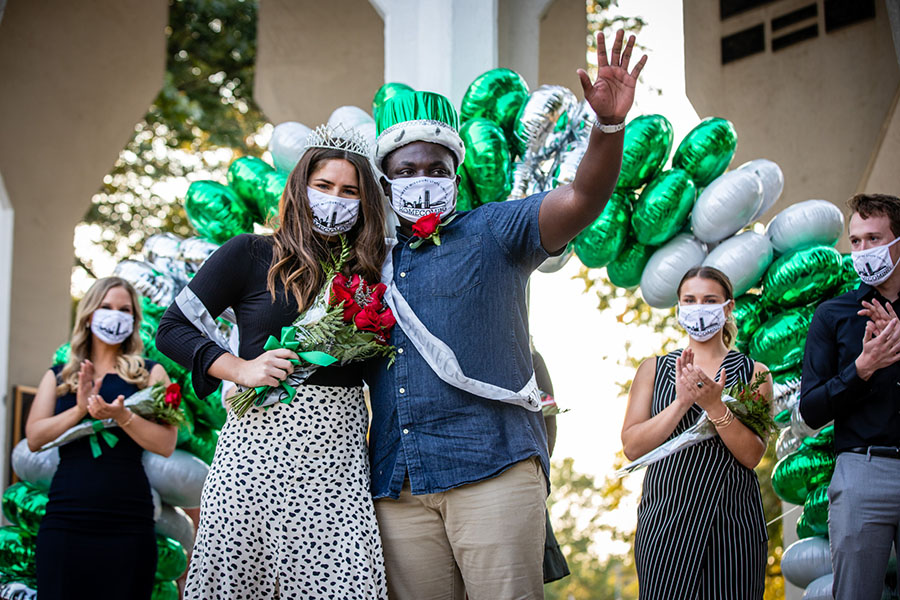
(459, 458)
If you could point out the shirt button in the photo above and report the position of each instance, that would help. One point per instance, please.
(402, 390)
(405, 431)
(403, 274)
(400, 351)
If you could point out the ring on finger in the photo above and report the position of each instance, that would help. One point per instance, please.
(699, 384)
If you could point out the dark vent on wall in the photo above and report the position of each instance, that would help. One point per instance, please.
(780, 43)
(842, 13)
(729, 8)
(743, 43)
(801, 14)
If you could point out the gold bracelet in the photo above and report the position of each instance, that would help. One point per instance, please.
(723, 421)
(126, 423)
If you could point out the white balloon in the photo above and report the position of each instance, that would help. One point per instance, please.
(744, 258)
(806, 560)
(555, 263)
(820, 589)
(178, 479)
(805, 224)
(726, 205)
(36, 468)
(772, 179)
(666, 267)
(350, 117)
(157, 504)
(287, 144)
(173, 522)
(786, 443)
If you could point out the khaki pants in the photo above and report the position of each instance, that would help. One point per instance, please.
(485, 539)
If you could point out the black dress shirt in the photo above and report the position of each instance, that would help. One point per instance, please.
(864, 412)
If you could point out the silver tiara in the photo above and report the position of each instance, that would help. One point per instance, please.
(340, 137)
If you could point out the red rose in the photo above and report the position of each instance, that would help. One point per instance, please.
(354, 284)
(426, 225)
(368, 320)
(351, 309)
(173, 395)
(387, 320)
(340, 292)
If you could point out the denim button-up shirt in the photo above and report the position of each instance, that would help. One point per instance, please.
(470, 293)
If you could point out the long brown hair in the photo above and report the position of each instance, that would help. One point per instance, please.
(729, 332)
(299, 249)
(129, 363)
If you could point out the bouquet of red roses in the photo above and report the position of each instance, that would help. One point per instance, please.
(347, 322)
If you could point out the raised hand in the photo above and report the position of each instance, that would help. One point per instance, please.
(686, 390)
(879, 314)
(100, 409)
(86, 386)
(880, 349)
(612, 94)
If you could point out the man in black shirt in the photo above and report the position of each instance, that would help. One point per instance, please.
(851, 374)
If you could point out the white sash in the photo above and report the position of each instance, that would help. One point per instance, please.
(440, 356)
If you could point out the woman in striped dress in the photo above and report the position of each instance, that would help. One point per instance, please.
(701, 531)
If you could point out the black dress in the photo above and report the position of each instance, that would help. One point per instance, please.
(701, 532)
(97, 540)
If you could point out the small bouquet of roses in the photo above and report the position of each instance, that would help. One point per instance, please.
(749, 406)
(347, 322)
(159, 403)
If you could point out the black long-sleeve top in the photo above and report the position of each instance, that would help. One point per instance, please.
(235, 276)
(865, 413)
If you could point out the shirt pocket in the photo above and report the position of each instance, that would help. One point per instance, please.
(456, 266)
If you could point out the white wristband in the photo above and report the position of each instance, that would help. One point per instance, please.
(610, 128)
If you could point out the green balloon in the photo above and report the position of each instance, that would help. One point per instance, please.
(216, 211)
(24, 505)
(171, 559)
(749, 314)
(151, 310)
(207, 411)
(803, 276)
(779, 341)
(786, 375)
(707, 150)
(783, 418)
(823, 441)
(246, 176)
(487, 160)
(385, 93)
(164, 590)
(625, 270)
(603, 240)
(273, 188)
(61, 356)
(815, 511)
(496, 95)
(465, 198)
(801, 472)
(203, 443)
(648, 141)
(17, 553)
(803, 529)
(663, 207)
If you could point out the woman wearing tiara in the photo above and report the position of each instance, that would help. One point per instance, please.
(286, 510)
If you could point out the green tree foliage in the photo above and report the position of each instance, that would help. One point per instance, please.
(205, 104)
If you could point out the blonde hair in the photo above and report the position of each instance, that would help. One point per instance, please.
(129, 363)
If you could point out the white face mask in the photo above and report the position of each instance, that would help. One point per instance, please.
(874, 265)
(415, 197)
(332, 214)
(112, 326)
(702, 321)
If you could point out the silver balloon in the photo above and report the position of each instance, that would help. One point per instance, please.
(806, 560)
(785, 395)
(555, 263)
(350, 117)
(522, 176)
(772, 179)
(157, 504)
(666, 267)
(194, 252)
(786, 443)
(744, 258)
(538, 117)
(36, 468)
(726, 205)
(287, 144)
(159, 288)
(805, 224)
(570, 158)
(162, 245)
(173, 522)
(820, 588)
(178, 478)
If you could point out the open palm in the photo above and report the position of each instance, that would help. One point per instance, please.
(612, 94)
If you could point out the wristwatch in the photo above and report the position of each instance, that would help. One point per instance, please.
(617, 127)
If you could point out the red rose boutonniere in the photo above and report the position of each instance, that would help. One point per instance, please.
(429, 227)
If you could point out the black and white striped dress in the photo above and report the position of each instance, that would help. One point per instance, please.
(701, 532)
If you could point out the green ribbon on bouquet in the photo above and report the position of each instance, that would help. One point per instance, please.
(100, 431)
(289, 341)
